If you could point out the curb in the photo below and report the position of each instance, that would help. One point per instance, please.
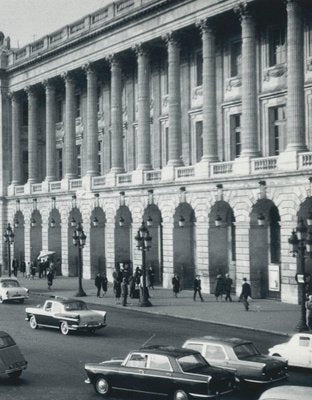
(45, 294)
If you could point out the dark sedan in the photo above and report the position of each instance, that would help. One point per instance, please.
(241, 357)
(179, 374)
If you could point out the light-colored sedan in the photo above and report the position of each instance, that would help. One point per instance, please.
(287, 392)
(10, 289)
(298, 350)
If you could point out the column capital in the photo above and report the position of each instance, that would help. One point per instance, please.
(67, 76)
(171, 38)
(140, 49)
(113, 59)
(30, 90)
(48, 85)
(243, 11)
(206, 25)
(89, 68)
(13, 95)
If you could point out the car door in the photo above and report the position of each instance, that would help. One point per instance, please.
(299, 350)
(158, 377)
(216, 355)
(133, 373)
(46, 316)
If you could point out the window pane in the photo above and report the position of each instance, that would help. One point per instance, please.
(159, 362)
(236, 59)
(214, 352)
(195, 346)
(137, 361)
(304, 341)
(199, 69)
(277, 50)
(199, 140)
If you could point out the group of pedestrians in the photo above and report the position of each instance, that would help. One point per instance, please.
(101, 283)
(18, 266)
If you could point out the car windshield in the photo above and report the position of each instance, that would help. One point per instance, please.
(75, 305)
(192, 362)
(246, 350)
(6, 341)
(9, 283)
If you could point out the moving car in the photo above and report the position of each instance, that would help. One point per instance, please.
(298, 350)
(10, 289)
(287, 393)
(66, 315)
(12, 361)
(239, 356)
(180, 374)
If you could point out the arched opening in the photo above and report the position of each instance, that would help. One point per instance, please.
(35, 235)
(184, 244)
(155, 255)
(55, 239)
(222, 242)
(265, 250)
(97, 242)
(304, 212)
(123, 234)
(74, 217)
(19, 239)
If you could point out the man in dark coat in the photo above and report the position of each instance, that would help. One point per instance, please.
(246, 292)
(104, 282)
(98, 284)
(124, 291)
(197, 288)
(228, 282)
(176, 285)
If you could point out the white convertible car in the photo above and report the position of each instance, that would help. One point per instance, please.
(10, 289)
(298, 350)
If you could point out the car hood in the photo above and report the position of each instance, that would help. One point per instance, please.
(110, 363)
(270, 362)
(14, 290)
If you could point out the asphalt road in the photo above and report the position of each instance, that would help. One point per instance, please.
(55, 370)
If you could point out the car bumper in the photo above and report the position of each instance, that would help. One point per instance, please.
(266, 381)
(209, 396)
(86, 327)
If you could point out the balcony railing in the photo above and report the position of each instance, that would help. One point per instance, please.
(185, 172)
(124, 179)
(19, 189)
(55, 186)
(152, 176)
(263, 164)
(75, 184)
(36, 188)
(222, 168)
(99, 181)
(305, 160)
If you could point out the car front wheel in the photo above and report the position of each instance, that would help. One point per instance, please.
(15, 374)
(64, 328)
(33, 322)
(21, 301)
(102, 386)
(180, 395)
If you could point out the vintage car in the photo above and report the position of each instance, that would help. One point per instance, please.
(12, 361)
(66, 315)
(298, 350)
(180, 374)
(10, 289)
(286, 392)
(241, 357)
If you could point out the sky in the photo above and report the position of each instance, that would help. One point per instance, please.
(27, 20)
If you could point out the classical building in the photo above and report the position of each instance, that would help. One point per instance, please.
(195, 114)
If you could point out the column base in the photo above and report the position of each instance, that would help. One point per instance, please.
(296, 147)
(117, 170)
(144, 167)
(175, 163)
(11, 189)
(50, 179)
(70, 176)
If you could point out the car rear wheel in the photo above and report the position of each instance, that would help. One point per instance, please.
(33, 322)
(102, 386)
(21, 301)
(180, 395)
(276, 355)
(64, 328)
(15, 374)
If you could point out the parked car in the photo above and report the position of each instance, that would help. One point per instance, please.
(66, 315)
(241, 357)
(10, 289)
(298, 350)
(180, 374)
(287, 393)
(12, 361)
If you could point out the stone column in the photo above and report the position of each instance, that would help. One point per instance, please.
(144, 142)
(250, 147)
(116, 116)
(16, 139)
(210, 146)
(92, 122)
(32, 135)
(50, 132)
(70, 128)
(295, 78)
(174, 158)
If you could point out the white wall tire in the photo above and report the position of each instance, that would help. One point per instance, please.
(102, 386)
(33, 322)
(180, 395)
(64, 328)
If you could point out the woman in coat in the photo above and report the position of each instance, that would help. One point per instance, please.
(175, 285)
(219, 291)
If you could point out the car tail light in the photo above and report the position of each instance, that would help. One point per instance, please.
(104, 318)
(264, 371)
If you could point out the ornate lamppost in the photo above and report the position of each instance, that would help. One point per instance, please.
(79, 240)
(9, 239)
(300, 243)
(144, 240)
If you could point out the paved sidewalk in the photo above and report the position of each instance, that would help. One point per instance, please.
(264, 315)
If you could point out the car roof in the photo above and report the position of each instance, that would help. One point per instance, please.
(167, 350)
(218, 339)
(288, 392)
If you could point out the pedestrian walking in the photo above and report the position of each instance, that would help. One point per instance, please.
(308, 306)
(98, 284)
(219, 291)
(28, 270)
(23, 268)
(151, 277)
(246, 292)
(175, 285)
(197, 288)
(228, 282)
(104, 282)
(50, 278)
(15, 267)
(117, 289)
(124, 291)
(32, 270)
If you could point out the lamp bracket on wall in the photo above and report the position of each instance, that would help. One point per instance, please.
(182, 194)
(53, 200)
(219, 187)
(34, 204)
(74, 201)
(122, 199)
(150, 194)
(96, 199)
(262, 190)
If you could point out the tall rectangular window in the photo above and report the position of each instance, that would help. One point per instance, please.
(100, 157)
(78, 151)
(78, 113)
(59, 111)
(277, 121)
(235, 128)
(25, 165)
(59, 163)
(25, 113)
(199, 69)
(98, 99)
(199, 140)
(277, 46)
(236, 58)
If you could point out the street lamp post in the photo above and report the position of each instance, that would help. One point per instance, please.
(300, 243)
(9, 239)
(144, 239)
(79, 240)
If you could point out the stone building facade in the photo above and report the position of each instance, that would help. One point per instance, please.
(186, 112)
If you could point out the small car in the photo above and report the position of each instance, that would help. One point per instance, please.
(298, 350)
(179, 374)
(241, 357)
(10, 289)
(66, 315)
(12, 361)
(287, 392)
